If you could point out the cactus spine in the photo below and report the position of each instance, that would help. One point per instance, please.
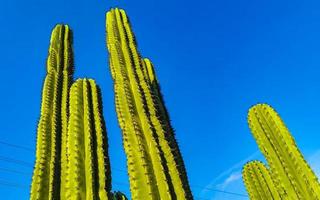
(54, 116)
(155, 165)
(258, 181)
(88, 166)
(291, 174)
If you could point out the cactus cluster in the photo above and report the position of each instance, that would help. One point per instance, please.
(71, 157)
(290, 174)
(72, 151)
(155, 166)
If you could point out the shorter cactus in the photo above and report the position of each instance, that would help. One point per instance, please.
(88, 166)
(258, 182)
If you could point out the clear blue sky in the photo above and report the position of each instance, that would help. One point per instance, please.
(214, 59)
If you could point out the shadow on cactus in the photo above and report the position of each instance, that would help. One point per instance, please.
(288, 175)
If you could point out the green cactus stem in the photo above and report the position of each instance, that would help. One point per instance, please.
(155, 165)
(53, 117)
(290, 172)
(258, 182)
(88, 166)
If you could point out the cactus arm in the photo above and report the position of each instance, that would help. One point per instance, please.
(142, 182)
(46, 177)
(161, 120)
(290, 172)
(258, 181)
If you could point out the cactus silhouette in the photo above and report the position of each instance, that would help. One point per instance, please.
(54, 116)
(88, 166)
(291, 174)
(72, 152)
(258, 181)
(155, 165)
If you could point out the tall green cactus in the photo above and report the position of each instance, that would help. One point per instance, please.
(155, 165)
(291, 174)
(88, 167)
(54, 116)
(258, 181)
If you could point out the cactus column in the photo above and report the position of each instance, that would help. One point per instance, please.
(258, 181)
(88, 167)
(155, 166)
(54, 116)
(290, 172)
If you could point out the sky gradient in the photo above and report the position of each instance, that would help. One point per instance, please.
(214, 60)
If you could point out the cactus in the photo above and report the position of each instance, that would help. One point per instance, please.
(53, 117)
(155, 165)
(88, 166)
(258, 181)
(291, 174)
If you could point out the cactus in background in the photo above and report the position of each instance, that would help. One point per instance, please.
(54, 116)
(155, 165)
(88, 166)
(119, 196)
(291, 174)
(258, 181)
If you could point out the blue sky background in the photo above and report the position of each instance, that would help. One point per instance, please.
(214, 59)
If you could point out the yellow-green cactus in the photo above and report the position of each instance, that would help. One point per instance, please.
(155, 165)
(290, 172)
(54, 116)
(258, 182)
(88, 166)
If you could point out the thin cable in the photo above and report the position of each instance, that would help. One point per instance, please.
(222, 191)
(14, 171)
(11, 184)
(16, 161)
(16, 146)
(21, 162)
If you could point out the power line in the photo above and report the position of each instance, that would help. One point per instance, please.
(206, 188)
(13, 171)
(11, 184)
(24, 163)
(221, 191)
(16, 161)
(16, 146)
